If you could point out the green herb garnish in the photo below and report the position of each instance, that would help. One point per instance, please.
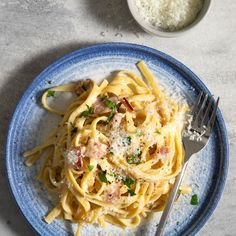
(88, 112)
(50, 93)
(194, 200)
(129, 181)
(90, 167)
(102, 177)
(138, 152)
(112, 174)
(179, 191)
(177, 222)
(131, 159)
(131, 192)
(110, 116)
(135, 158)
(110, 104)
(127, 141)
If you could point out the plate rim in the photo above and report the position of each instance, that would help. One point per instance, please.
(190, 76)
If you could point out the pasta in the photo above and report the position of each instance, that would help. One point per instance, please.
(116, 152)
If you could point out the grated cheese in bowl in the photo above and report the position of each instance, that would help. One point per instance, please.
(169, 15)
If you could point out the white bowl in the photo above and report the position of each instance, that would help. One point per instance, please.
(149, 28)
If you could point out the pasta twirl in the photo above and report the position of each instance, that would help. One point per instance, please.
(116, 152)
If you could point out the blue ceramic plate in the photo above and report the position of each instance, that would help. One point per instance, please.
(30, 124)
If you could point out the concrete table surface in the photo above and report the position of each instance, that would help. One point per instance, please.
(34, 33)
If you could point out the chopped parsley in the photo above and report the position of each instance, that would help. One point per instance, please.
(110, 104)
(194, 200)
(129, 181)
(88, 112)
(131, 159)
(90, 167)
(127, 141)
(50, 93)
(179, 191)
(138, 152)
(131, 192)
(102, 177)
(112, 174)
(110, 116)
(135, 158)
(177, 222)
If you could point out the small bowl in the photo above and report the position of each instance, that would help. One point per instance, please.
(149, 28)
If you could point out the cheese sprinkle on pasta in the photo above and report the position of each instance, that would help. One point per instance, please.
(116, 152)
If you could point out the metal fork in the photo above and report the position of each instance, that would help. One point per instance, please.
(195, 137)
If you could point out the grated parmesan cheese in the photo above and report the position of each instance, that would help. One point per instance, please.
(169, 15)
(116, 142)
(72, 157)
(118, 145)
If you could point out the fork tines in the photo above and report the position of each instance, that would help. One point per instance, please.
(204, 111)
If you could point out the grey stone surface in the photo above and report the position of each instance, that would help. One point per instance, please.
(34, 33)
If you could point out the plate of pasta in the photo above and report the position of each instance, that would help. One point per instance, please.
(94, 146)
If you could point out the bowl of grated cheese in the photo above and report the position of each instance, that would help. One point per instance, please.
(168, 18)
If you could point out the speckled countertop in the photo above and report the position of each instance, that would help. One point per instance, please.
(34, 33)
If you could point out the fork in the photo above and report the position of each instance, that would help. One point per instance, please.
(195, 136)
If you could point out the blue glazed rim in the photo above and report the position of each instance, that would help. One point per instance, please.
(189, 76)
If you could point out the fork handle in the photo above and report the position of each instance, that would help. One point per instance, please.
(170, 201)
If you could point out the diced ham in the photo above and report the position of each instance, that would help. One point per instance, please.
(152, 149)
(112, 192)
(164, 150)
(95, 149)
(83, 86)
(79, 163)
(116, 120)
(127, 104)
(100, 106)
(75, 157)
(162, 154)
(114, 99)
